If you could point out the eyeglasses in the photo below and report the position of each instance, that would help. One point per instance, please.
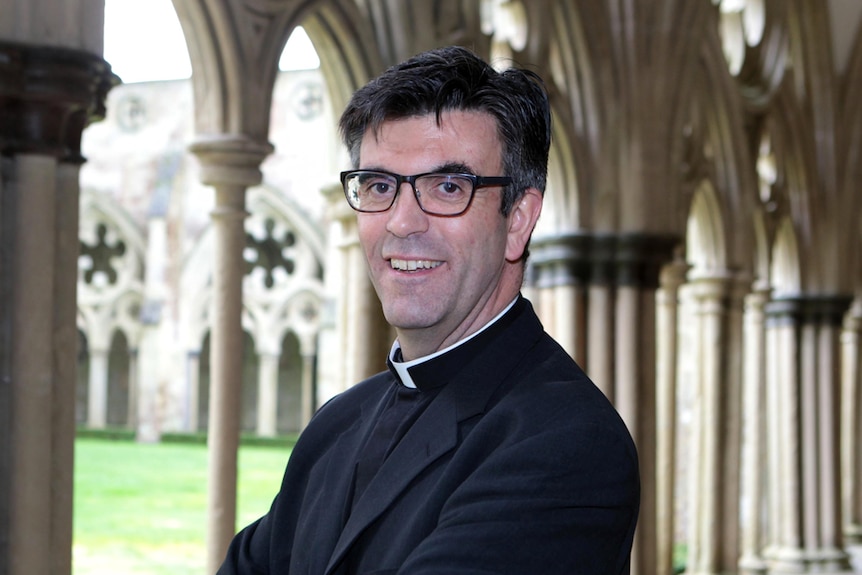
(439, 194)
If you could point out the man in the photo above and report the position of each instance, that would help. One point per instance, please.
(484, 448)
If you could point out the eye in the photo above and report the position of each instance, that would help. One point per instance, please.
(451, 186)
(377, 184)
(381, 187)
(447, 187)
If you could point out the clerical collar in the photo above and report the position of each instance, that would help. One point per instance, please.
(401, 368)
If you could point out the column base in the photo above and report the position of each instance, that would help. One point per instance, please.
(855, 553)
(794, 560)
(752, 565)
(785, 560)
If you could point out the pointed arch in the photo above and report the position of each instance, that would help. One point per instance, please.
(705, 236)
(785, 270)
(725, 151)
(106, 303)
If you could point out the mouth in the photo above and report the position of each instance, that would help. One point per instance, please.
(413, 265)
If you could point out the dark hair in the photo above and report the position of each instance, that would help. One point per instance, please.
(454, 78)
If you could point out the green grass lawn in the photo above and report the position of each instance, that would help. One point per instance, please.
(141, 509)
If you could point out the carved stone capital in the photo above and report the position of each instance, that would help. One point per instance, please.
(810, 310)
(632, 260)
(48, 95)
(230, 160)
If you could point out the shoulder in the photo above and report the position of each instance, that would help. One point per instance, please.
(549, 396)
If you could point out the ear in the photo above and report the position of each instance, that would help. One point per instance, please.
(522, 220)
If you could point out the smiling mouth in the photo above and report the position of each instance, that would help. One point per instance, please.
(413, 265)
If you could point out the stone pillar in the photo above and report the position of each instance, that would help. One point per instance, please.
(805, 396)
(753, 465)
(557, 278)
(132, 404)
(714, 461)
(600, 315)
(6, 284)
(48, 95)
(638, 259)
(667, 308)
(784, 553)
(308, 342)
(365, 336)
(149, 415)
(230, 164)
(156, 351)
(307, 408)
(97, 391)
(65, 362)
(267, 395)
(193, 376)
(32, 351)
(851, 418)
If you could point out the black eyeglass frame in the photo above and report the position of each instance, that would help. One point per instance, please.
(477, 181)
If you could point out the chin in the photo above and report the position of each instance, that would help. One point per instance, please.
(400, 318)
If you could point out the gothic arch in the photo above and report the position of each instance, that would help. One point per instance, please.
(575, 125)
(724, 152)
(792, 150)
(764, 60)
(705, 236)
(850, 161)
(110, 271)
(279, 228)
(785, 271)
(270, 307)
(343, 38)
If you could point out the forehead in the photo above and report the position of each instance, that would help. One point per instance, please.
(459, 137)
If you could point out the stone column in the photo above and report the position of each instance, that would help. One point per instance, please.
(132, 404)
(600, 315)
(5, 369)
(784, 554)
(753, 465)
(153, 348)
(827, 314)
(65, 361)
(49, 94)
(557, 277)
(97, 391)
(807, 510)
(364, 336)
(308, 343)
(667, 307)
(193, 376)
(851, 418)
(267, 394)
(307, 408)
(638, 259)
(156, 351)
(714, 461)
(230, 164)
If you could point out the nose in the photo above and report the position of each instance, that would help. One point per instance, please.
(405, 216)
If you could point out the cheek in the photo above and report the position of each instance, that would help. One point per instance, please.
(483, 243)
(368, 228)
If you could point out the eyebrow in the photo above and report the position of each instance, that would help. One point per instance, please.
(446, 168)
(455, 168)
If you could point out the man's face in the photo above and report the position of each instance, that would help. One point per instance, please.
(439, 278)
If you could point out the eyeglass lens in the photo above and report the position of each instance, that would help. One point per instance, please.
(443, 194)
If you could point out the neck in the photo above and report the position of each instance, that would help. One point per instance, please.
(418, 343)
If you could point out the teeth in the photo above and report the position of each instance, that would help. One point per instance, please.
(413, 265)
